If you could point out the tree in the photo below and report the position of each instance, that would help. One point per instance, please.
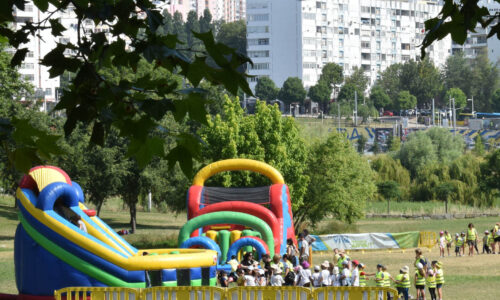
(12, 86)
(320, 93)
(405, 100)
(265, 89)
(192, 24)
(341, 182)
(484, 81)
(389, 190)
(359, 80)
(423, 148)
(458, 95)
(292, 91)
(234, 35)
(443, 192)
(457, 73)
(394, 143)
(495, 100)
(332, 74)
(457, 19)
(478, 145)
(390, 80)
(490, 173)
(380, 98)
(264, 136)
(389, 169)
(346, 93)
(422, 79)
(206, 21)
(134, 108)
(361, 143)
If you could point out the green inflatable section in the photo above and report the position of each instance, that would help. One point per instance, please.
(224, 239)
(75, 261)
(247, 232)
(228, 217)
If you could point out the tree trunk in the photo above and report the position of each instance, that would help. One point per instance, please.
(99, 206)
(133, 213)
(388, 206)
(446, 206)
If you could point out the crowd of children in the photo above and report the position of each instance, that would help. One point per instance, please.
(293, 268)
(470, 239)
(342, 271)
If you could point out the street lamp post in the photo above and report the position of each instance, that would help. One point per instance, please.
(472, 100)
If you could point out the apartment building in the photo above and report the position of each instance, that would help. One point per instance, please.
(298, 37)
(227, 10)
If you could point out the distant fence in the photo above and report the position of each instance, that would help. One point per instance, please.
(216, 293)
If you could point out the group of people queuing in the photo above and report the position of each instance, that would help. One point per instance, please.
(281, 270)
(470, 239)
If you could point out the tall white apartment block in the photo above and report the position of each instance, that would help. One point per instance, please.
(227, 10)
(296, 38)
(479, 40)
(31, 69)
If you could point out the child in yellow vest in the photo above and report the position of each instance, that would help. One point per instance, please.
(420, 282)
(486, 244)
(431, 283)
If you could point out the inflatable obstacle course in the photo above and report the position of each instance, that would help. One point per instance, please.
(51, 252)
(228, 220)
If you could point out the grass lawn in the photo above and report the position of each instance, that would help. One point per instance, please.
(467, 278)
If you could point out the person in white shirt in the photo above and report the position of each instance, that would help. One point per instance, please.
(249, 277)
(335, 277)
(325, 274)
(304, 275)
(355, 273)
(276, 278)
(304, 248)
(346, 274)
(315, 276)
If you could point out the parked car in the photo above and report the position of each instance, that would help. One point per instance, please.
(388, 113)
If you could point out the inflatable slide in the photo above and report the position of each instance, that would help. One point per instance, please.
(53, 252)
(230, 219)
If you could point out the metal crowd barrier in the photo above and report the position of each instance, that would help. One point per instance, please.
(427, 239)
(216, 293)
(98, 293)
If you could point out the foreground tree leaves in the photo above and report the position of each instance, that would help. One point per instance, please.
(135, 106)
(457, 18)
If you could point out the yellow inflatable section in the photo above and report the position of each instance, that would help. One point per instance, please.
(239, 164)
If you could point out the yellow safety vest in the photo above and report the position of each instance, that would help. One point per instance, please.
(495, 230)
(420, 279)
(341, 260)
(379, 279)
(448, 238)
(362, 280)
(406, 281)
(490, 239)
(439, 276)
(387, 280)
(471, 234)
(431, 281)
(418, 260)
(399, 279)
(459, 242)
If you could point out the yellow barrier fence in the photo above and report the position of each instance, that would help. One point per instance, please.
(98, 293)
(427, 239)
(216, 293)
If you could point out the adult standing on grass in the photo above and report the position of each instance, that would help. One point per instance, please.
(420, 259)
(449, 241)
(471, 238)
(496, 236)
(304, 248)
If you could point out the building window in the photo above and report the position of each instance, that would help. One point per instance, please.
(309, 65)
(383, 57)
(29, 54)
(258, 53)
(258, 29)
(310, 16)
(258, 42)
(365, 45)
(260, 66)
(365, 56)
(258, 17)
(341, 42)
(405, 57)
(405, 46)
(48, 92)
(29, 77)
(341, 54)
(378, 45)
(27, 66)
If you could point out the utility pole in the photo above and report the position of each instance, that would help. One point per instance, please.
(454, 118)
(472, 99)
(355, 109)
(338, 110)
(433, 112)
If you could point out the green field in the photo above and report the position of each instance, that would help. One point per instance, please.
(467, 278)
